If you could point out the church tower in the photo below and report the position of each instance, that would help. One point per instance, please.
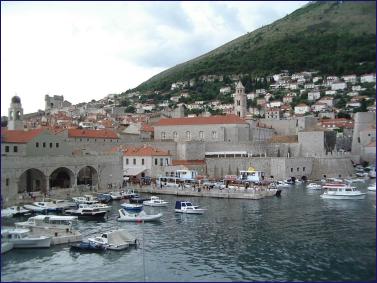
(15, 115)
(240, 104)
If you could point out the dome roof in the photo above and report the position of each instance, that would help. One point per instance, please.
(16, 99)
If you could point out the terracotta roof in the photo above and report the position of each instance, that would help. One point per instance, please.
(228, 119)
(19, 136)
(301, 105)
(144, 151)
(188, 162)
(147, 128)
(101, 134)
(284, 139)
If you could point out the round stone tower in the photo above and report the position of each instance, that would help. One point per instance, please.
(15, 114)
(240, 105)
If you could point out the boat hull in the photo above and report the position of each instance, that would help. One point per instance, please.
(42, 242)
(155, 204)
(359, 196)
(6, 247)
(196, 211)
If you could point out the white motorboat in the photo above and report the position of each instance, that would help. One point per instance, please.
(87, 213)
(47, 222)
(100, 206)
(343, 192)
(35, 208)
(14, 211)
(114, 240)
(314, 186)
(137, 217)
(155, 201)
(86, 199)
(21, 238)
(187, 207)
(41, 206)
(116, 195)
(6, 246)
(372, 187)
(282, 184)
(372, 174)
(63, 204)
(356, 180)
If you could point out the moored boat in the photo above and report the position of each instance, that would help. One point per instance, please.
(114, 240)
(6, 247)
(187, 207)
(86, 199)
(100, 206)
(87, 247)
(155, 201)
(132, 207)
(137, 217)
(14, 211)
(314, 186)
(87, 213)
(21, 238)
(372, 187)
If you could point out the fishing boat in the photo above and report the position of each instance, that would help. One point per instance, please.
(88, 213)
(134, 207)
(155, 201)
(314, 186)
(137, 217)
(114, 240)
(21, 238)
(343, 192)
(14, 211)
(187, 207)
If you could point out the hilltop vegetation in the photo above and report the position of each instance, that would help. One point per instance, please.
(329, 37)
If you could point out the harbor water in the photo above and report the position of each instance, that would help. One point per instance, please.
(297, 237)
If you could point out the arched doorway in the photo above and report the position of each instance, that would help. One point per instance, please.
(87, 176)
(32, 180)
(61, 178)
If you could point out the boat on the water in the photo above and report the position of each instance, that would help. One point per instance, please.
(134, 207)
(114, 240)
(314, 186)
(14, 211)
(21, 238)
(87, 213)
(372, 187)
(137, 199)
(343, 192)
(155, 201)
(87, 247)
(137, 217)
(86, 199)
(49, 222)
(6, 246)
(100, 206)
(187, 207)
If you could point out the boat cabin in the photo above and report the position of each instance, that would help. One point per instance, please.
(182, 204)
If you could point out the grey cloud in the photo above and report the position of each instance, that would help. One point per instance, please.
(230, 16)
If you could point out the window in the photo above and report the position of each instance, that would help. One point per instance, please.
(201, 135)
(142, 161)
(163, 135)
(303, 169)
(298, 169)
(57, 145)
(7, 181)
(238, 102)
(80, 139)
(44, 144)
(126, 161)
(15, 149)
(358, 139)
(87, 140)
(155, 161)
(37, 144)
(50, 144)
(166, 161)
(161, 161)
(188, 135)
(134, 161)
(6, 148)
(175, 135)
(95, 140)
(291, 169)
(214, 134)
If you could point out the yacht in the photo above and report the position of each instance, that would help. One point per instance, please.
(155, 201)
(21, 238)
(343, 192)
(187, 207)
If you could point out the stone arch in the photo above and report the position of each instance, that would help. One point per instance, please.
(32, 180)
(62, 177)
(87, 176)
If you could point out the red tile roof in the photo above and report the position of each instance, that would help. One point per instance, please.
(144, 151)
(19, 136)
(188, 162)
(228, 119)
(100, 134)
(147, 128)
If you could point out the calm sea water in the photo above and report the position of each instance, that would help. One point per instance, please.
(298, 237)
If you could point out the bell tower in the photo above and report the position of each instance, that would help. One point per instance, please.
(15, 115)
(240, 105)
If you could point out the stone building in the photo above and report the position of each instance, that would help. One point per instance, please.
(15, 115)
(240, 104)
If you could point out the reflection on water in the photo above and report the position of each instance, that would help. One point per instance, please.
(298, 237)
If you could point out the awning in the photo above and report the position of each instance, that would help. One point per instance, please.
(133, 171)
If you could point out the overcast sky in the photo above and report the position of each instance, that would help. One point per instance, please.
(87, 50)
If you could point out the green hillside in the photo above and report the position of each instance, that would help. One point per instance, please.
(330, 37)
